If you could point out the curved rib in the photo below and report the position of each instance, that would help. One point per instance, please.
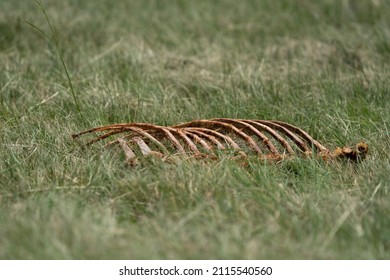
(215, 133)
(145, 135)
(186, 139)
(259, 134)
(208, 136)
(173, 140)
(301, 144)
(199, 140)
(230, 127)
(274, 134)
(303, 134)
(118, 126)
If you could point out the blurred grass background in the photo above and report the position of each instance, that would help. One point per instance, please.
(320, 65)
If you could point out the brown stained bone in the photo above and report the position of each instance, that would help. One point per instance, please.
(271, 140)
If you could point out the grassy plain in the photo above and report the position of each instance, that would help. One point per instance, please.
(321, 65)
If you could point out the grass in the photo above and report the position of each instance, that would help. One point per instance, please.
(320, 65)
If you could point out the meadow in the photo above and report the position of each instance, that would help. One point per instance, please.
(320, 65)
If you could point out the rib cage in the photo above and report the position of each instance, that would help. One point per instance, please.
(201, 138)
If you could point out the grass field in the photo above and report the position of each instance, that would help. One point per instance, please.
(321, 65)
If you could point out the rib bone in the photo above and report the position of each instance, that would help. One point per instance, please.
(272, 140)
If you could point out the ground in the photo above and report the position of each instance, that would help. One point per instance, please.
(320, 65)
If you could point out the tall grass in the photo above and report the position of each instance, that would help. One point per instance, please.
(53, 39)
(319, 65)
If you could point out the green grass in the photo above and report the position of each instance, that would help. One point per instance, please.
(321, 65)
